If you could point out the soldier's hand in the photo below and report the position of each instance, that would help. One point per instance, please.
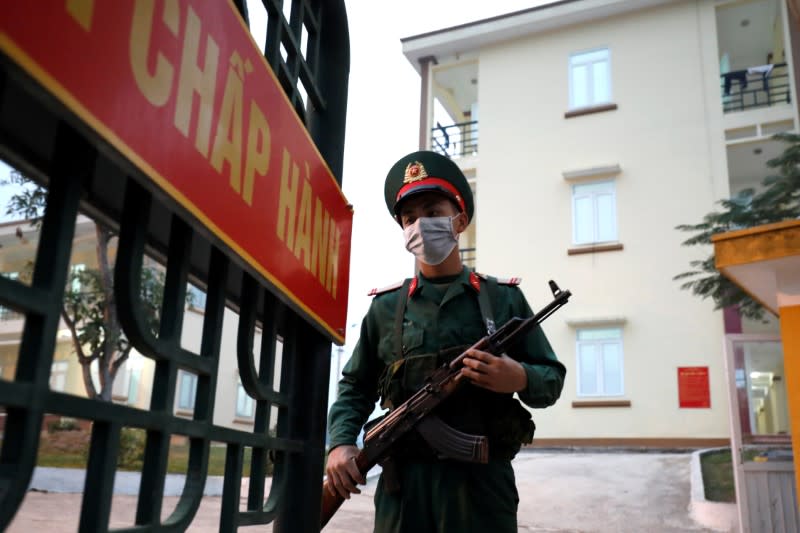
(343, 472)
(498, 374)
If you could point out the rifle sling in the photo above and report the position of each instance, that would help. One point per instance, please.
(442, 438)
(399, 314)
(485, 296)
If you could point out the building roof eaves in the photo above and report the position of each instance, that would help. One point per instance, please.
(466, 25)
(475, 35)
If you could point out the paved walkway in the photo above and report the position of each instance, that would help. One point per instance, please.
(559, 493)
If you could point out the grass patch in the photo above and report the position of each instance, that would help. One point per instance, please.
(717, 470)
(69, 449)
(63, 449)
(178, 461)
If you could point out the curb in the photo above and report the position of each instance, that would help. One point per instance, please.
(72, 480)
(718, 516)
(604, 449)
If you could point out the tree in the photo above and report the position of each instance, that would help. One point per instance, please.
(778, 199)
(89, 308)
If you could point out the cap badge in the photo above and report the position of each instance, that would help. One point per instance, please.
(414, 172)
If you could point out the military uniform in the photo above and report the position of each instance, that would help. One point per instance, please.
(410, 329)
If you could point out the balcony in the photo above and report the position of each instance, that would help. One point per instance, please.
(455, 140)
(8, 315)
(751, 47)
(451, 107)
(754, 87)
(467, 256)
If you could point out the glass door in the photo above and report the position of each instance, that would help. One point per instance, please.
(761, 447)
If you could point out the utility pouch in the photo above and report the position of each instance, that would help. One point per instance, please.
(416, 370)
(404, 377)
(390, 388)
(391, 476)
(509, 429)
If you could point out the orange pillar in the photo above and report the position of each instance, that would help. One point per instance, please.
(790, 336)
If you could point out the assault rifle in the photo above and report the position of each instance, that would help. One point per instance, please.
(415, 413)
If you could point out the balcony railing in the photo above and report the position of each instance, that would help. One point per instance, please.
(467, 256)
(8, 314)
(455, 140)
(761, 86)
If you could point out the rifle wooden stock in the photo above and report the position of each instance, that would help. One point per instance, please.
(415, 413)
(332, 502)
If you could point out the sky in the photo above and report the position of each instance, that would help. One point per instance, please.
(382, 126)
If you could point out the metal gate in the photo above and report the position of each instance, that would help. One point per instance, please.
(84, 174)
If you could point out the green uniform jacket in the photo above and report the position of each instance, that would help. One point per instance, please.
(436, 317)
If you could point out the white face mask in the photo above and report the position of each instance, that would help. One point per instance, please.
(431, 239)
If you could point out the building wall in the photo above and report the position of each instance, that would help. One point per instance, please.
(666, 135)
(227, 370)
(16, 255)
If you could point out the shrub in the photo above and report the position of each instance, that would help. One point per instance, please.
(63, 424)
(131, 447)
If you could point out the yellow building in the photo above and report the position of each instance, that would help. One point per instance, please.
(590, 129)
(133, 384)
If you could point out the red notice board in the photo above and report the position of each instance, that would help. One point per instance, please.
(693, 387)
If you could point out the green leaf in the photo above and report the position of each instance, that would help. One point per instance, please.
(776, 200)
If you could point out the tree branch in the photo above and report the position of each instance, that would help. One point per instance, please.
(119, 361)
(82, 359)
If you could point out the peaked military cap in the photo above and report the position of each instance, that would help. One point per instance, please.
(427, 172)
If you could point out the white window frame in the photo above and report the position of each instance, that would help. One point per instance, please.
(7, 313)
(595, 239)
(599, 371)
(248, 401)
(58, 375)
(134, 377)
(191, 379)
(120, 389)
(200, 297)
(580, 59)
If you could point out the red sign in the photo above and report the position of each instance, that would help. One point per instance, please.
(693, 388)
(180, 88)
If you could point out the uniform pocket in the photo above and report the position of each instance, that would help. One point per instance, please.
(416, 369)
(412, 339)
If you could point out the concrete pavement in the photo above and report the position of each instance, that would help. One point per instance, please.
(559, 492)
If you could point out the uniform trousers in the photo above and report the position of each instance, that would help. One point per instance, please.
(449, 497)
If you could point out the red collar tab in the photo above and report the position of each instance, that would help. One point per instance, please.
(413, 287)
(475, 281)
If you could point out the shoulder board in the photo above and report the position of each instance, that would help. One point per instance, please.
(502, 281)
(388, 288)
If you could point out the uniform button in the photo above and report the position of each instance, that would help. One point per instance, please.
(405, 348)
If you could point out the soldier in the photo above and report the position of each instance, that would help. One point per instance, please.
(414, 326)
